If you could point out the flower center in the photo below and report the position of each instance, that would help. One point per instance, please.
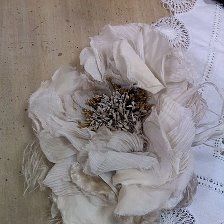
(124, 109)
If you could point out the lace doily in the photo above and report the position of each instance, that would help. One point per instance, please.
(177, 216)
(175, 31)
(179, 6)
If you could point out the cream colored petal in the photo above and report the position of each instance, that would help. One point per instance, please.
(156, 49)
(55, 148)
(119, 141)
(178, 68)
(151, 178)
(92, 185)
(125, 142)
(103, 162)
(131, 65)
(64, 80)
(71, 130)
(138, 200)
(51, 106)
(154, 131)
(59, 180)
(88, 60)
(102, 45)
(42, 105)
(77, 209)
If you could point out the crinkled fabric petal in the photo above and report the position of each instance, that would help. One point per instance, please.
(55, 148)
(131, 65)
(43, 104)
(103, 162)
(101, 48)
(92, 185)
(140, 200)
(149, 45)
(47, 108)
(77, 209)
(59, 180)
(119, 141)
(171, 113)
(178, 68)
(150, 178)
(64, 80)
(125, 142)
(71, 130)
(175, 129)
(153, 129)
(174, 90)
(88, 60)
(179, 127)
(156, 49)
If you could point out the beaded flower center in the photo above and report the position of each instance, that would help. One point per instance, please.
(124, 109)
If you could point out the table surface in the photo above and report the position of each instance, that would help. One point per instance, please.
(37, 36)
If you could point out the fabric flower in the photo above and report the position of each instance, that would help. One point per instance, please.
(119, 134)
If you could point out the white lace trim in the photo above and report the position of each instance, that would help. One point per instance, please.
(177, 216)
(179, 6)
(174, 30)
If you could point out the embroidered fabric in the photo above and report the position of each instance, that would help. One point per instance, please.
(202, 28)
(177, 216)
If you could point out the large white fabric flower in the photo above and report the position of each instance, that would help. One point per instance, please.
(119, 134)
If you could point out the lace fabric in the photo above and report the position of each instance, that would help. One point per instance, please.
(179, 6)
(177, 216)
(198, 27)
(174, 30)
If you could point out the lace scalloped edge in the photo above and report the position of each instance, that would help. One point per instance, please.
(175, 6)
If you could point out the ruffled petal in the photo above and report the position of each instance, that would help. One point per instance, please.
(77, 209)
(51, 107)
(103, 162)
(92, 185)
(117, 47)
(55, 148)
(88, 60)
(133, 67)
(140, 200)
(59, 180)
(156, 49)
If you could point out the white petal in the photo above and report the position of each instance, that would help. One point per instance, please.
(92, 185)
(153, 129)
(150, 178)
(138, 200)
(156, 49)
(71, 130)
(64, 80)
(88, 60)
(119, 141)
(51, 106)
(55, 148)
(130, 64)
(77, 209)
(58, 178)
(125, 142)
(103, 162)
